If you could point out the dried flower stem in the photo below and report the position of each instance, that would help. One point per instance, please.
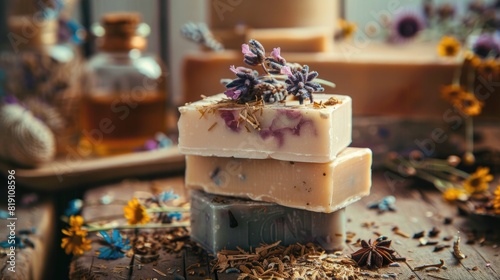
(163, 209)
(146, 226)
(469, 135)
(167, 209)
(438, 265)
(437, 276)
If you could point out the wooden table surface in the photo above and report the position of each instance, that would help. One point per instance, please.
(420, 207)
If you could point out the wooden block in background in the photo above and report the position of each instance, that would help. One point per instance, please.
(30, 262)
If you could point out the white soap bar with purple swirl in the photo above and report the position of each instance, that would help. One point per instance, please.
(221, 222)
(314, 132)
(319, 187)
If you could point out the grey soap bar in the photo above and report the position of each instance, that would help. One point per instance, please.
(222, 222)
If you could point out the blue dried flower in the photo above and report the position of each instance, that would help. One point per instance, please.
(175, 215)
(70, 31)
(166, 196)
(254, 53)
(4, 214)
(116, 247)
(74, 207)
(241, 89)
(300, 83)
(387, 203)
(17, 242)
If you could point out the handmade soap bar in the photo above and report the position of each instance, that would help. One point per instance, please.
(296, 39)
(308, 39)
(320, 187)
(273, 14)
(309, 133)
(219, 222)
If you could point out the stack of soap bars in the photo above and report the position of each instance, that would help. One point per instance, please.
(262, 173)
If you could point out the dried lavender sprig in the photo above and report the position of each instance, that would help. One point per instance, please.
(200, 34)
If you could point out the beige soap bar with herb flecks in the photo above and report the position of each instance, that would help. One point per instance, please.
(312, 132)
(319, 187)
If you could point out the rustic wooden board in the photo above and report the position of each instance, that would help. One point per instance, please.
(73, 170)
(419, 208)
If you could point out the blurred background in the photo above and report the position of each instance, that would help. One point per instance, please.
(382, 53)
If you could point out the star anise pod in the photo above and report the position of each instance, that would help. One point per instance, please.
(374, 255)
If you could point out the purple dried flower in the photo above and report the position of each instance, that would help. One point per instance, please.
(245, 49)
(232, 93)
(485, 46)
(406, 26)
(241, 88)
(275, 62)
(286, 71)
(301, 84)
(254, 53)
(10, 99)
(276, 54)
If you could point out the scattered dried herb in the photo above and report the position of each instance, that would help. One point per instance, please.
(448, 221)
(438, 265)
(295, 261)
(374, 255)
(434, 232)
(397, 231)
(419, 235)
(457, 253)
(440, 247)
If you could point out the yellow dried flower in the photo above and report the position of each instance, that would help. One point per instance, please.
(453, 194)
(448, 46)
(468, 104)
(76, 221)
(76, 243)
(346, 28)
(478, 181)
(452, 92)
(472, 59)
(496, 200)
(488, 67)
(135, 213)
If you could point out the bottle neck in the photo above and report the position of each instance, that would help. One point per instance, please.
(110, 43)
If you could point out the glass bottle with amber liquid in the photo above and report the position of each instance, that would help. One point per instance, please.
(125, 100)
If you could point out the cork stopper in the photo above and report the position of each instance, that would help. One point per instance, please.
(120, 32)
(120, 24)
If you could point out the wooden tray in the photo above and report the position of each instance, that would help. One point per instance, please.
(72, 172)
